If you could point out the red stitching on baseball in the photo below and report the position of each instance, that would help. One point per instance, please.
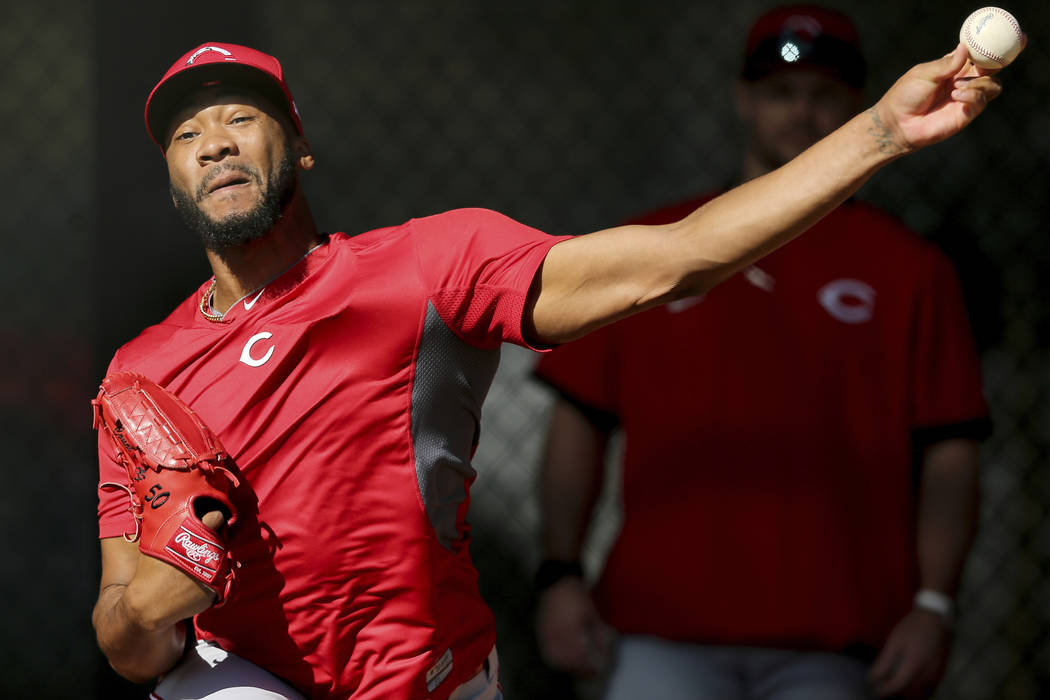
(972, 43)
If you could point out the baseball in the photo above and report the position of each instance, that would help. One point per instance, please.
(993, 37)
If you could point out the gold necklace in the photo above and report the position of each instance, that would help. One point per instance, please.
(210, 291)
(206, 304)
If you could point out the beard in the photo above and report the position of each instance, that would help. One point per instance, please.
(237, 229)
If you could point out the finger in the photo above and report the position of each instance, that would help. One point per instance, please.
(978, 92)
(595, 654)
(946, 66)
(563, 642)
(214, 519)
(563, 650)
(899, 678)
(882, 665)
(601, 641)
(974, 98)
(570, 655)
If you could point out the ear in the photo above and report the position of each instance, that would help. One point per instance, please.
(304, 154)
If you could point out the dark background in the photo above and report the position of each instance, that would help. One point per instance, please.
(569, 116)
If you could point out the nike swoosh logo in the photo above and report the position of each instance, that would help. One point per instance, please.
(249, 304)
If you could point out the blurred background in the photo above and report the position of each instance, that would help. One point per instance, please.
(569, 116)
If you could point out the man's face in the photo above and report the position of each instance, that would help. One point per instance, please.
(232, 165)
(788, 111)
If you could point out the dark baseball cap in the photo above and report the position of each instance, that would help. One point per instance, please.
(805, 36)
(216, 63)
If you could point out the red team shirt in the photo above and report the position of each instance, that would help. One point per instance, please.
(768, 483)
(349, 396)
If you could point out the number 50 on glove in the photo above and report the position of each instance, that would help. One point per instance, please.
(176, 473)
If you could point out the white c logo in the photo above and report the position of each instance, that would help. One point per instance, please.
(246, 354)
(204, 49)
(850, 301)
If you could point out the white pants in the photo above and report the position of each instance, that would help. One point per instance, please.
(483, 686)
(657, 669)
(208, 672)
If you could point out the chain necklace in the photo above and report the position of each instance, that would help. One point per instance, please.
(205, 305)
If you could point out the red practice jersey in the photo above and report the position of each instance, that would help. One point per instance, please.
(768, 483)
(349, 395)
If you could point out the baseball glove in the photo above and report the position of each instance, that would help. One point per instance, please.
(176, 471)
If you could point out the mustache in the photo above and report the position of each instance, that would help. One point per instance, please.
(246, 170)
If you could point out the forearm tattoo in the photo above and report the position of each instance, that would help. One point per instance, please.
(883, 135)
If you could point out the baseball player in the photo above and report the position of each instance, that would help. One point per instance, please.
(345, 375)
(772, 524)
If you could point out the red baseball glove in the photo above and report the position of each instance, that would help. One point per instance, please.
(176, 473)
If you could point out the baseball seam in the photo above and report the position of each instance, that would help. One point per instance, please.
(971, 41)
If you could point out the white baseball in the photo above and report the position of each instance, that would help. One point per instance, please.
(993, 37)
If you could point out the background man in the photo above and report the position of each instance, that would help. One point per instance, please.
(777, 540)
(345, 377)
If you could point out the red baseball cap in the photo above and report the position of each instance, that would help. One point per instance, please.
(808, 36)
(216, 63)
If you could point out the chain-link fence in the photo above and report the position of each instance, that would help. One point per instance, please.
(48, 267)
(569, 116)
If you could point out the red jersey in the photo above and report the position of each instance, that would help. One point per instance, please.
(768, 483)
(349, 395)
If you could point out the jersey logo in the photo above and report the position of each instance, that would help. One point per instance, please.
(849, 301)
(249, 304)
(246, 354)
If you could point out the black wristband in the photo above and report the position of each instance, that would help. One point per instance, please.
(553, 570)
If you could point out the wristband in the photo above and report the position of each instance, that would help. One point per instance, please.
(551, 571)
(937, 603)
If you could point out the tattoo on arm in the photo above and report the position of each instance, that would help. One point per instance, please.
(883, 135)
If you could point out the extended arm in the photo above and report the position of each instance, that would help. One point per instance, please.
(592, 280)
(916, 652)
